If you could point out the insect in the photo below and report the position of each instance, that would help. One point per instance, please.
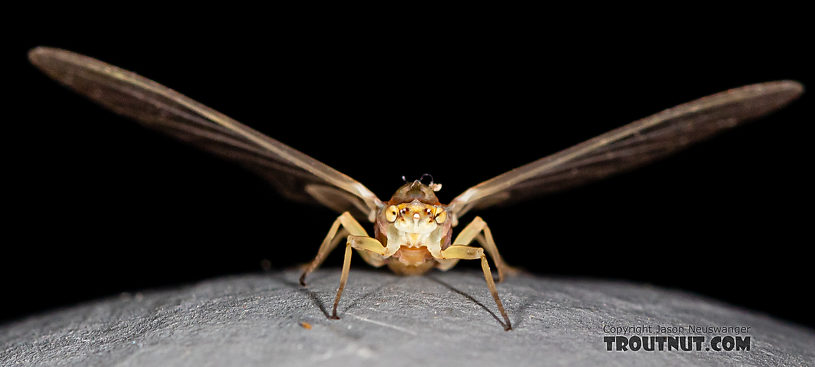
(413, 229)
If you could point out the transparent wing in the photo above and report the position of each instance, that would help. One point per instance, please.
(296, 175)
(630, 146)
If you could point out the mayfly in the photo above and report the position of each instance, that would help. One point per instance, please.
(412, 230)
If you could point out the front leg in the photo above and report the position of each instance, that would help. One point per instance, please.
(472, 232)
(357, 239)
(473, 253)
(360, 243)
(331, 240)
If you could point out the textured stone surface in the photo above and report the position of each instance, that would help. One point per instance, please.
(439, 319)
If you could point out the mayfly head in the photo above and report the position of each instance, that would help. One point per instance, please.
(415, 216)
(415, 208)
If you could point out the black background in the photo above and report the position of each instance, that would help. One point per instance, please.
(98, 205)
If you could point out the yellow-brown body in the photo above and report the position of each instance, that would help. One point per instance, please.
(412, 235)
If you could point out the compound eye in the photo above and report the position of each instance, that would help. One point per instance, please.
(391, 212)
(441, 216)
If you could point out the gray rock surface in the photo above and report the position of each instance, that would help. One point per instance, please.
(438, 319)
